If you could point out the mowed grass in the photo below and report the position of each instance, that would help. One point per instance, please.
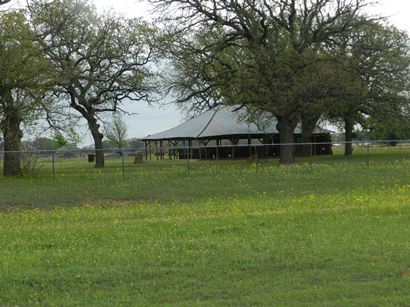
(326, 231)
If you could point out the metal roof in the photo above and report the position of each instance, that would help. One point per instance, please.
(220, 121)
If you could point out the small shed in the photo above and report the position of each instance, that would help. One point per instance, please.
(222, 133)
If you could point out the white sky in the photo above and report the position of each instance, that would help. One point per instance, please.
(153, 119)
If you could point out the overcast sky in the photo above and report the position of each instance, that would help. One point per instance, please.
(154, 119)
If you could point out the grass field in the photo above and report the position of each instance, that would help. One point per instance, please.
(327, 231)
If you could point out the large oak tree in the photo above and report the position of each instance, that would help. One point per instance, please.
(373, 75)
(99, 60)
(23, 79)
(281, 39)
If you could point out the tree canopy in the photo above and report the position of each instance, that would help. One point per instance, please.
(373, 77)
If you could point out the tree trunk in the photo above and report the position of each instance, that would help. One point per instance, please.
(287, 152)
(308, 125)
(98, 142)
(348, 136)
(12, 145)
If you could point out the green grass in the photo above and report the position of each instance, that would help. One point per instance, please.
(327, 231)
(77, 182)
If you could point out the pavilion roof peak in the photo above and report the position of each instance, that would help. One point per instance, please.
(219, 121)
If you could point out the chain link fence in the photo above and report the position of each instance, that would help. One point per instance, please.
(120, 162)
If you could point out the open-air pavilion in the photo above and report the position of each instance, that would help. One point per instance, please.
(221, 133)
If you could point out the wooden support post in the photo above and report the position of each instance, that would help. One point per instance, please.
(266, 143)
(314, 146)
(184, 149)
(217, 149)
(249, 145)
(206, 142)
(156, 150)
(234, 143)
(175, 150)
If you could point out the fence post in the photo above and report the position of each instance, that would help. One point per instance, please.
(53, 161)
(368, 153)
(122, 163)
